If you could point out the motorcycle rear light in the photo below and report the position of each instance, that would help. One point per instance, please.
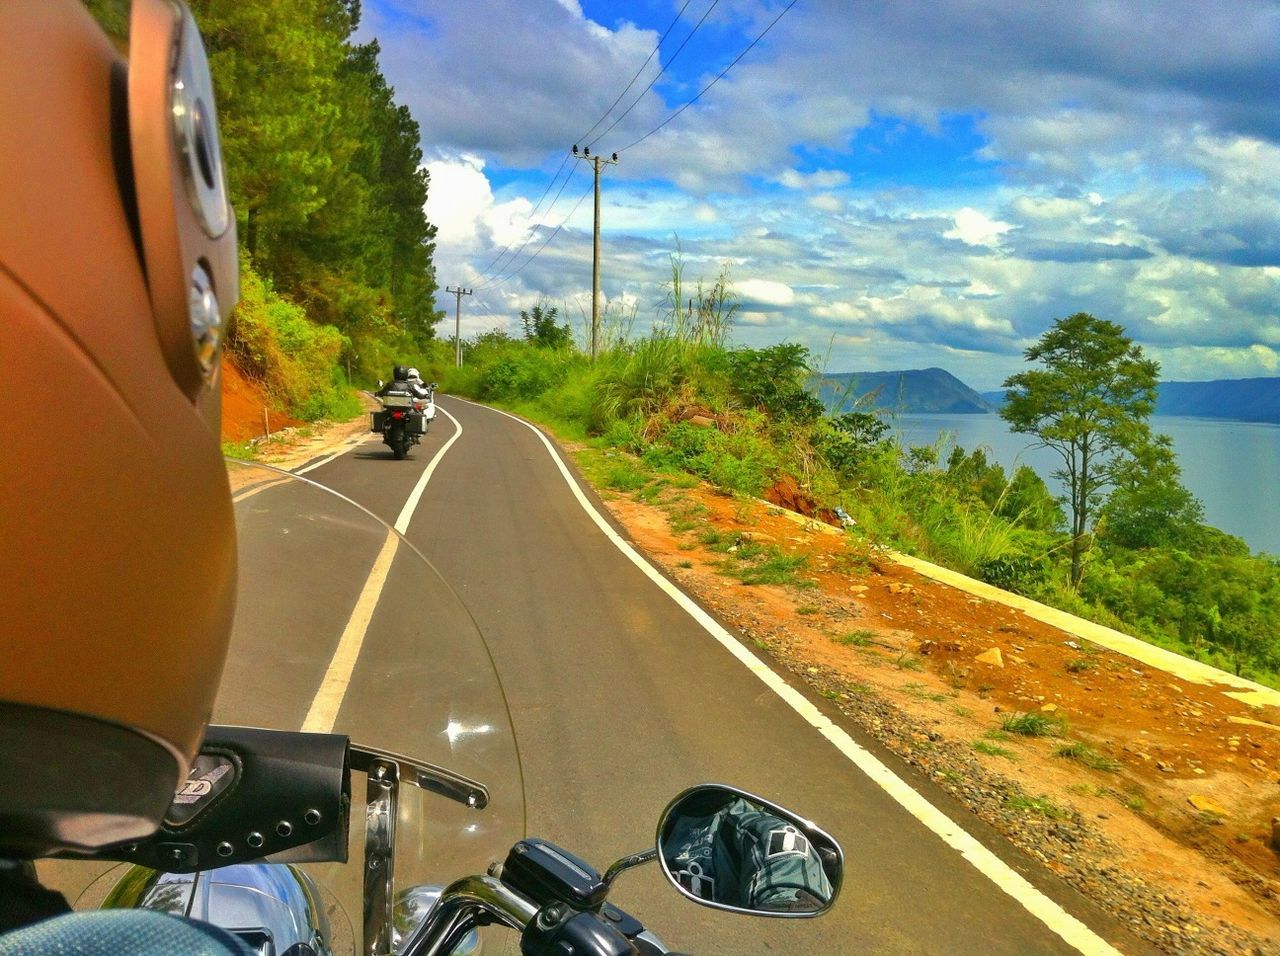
(397, 415)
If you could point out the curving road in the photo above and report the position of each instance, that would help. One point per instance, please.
(620, 699)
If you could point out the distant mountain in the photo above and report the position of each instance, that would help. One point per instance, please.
(1239, 399)
(926, 391)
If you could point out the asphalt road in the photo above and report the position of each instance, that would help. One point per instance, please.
(620, 700)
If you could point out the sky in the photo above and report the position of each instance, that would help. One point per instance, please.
(894, 184)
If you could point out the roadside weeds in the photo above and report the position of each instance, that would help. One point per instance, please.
(1110, 775)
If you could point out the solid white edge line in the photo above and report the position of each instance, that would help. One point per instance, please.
(406, 513)
(337, 676)
(1070, 929)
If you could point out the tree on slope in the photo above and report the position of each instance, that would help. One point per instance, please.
(1089, 402)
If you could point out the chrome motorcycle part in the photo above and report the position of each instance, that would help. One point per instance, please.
(271, 908)
(422, 775)
(627, 863)
(464, 905)
(379, 856)
(206, 321)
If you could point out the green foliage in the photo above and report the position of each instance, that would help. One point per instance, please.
(624, 476)
(1019, 573)
(240, 450)
(774, 380)
(296, 359)
(1158, 573)
(741, 462)
(541, 329)
(994, 750)
(1041, 805)
(1032, 725)
(325, 172)
(1082, 753)
(859, 638)
(1149, 506)
(774, 568)
(846, 439)
(1089, 403)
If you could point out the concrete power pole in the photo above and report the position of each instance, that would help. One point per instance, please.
(596, 162)
(458, 293)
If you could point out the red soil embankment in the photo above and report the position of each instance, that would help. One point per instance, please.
(243, 405)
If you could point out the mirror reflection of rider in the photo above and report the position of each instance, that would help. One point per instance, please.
(728, 850)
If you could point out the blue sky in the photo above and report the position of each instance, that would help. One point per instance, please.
(896, 184)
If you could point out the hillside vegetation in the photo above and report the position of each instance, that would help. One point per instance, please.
(325, 175)
(681, 400)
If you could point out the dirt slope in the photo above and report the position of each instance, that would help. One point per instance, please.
(1149, 793)
(244, 402)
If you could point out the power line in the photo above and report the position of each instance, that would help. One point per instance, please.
(516, 255)
(532, 212)
(748, 49)
(671, 26)
(587, 192)
(489, 266)
(706, 13)
(485, 270)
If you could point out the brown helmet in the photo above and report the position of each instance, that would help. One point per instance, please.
(118, 270)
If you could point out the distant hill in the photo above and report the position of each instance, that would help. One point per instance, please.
(1241, 399)
(925, 391)
(1238, 399)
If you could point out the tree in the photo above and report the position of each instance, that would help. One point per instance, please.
(1089, 403)
(540, 328)
(774, 380)
(1149, 506)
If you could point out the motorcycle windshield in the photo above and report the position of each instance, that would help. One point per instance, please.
(343, 626)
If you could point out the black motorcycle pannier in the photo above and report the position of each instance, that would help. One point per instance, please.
(379, 421)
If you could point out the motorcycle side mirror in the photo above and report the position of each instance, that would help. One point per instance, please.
(380, 383)
(730, 850)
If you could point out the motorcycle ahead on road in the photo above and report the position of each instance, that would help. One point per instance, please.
(403, 419)
(258, 840)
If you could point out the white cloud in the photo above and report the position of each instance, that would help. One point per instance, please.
(1138, 169)
(826, 202)
(458, 199)
(765, 292)
(976, 229)
(822, 179)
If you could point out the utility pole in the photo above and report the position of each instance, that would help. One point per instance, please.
(458, 293)
(596, 161)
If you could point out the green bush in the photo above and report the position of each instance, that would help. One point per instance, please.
(297, 360)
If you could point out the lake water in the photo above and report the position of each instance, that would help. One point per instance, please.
(1232, 467)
